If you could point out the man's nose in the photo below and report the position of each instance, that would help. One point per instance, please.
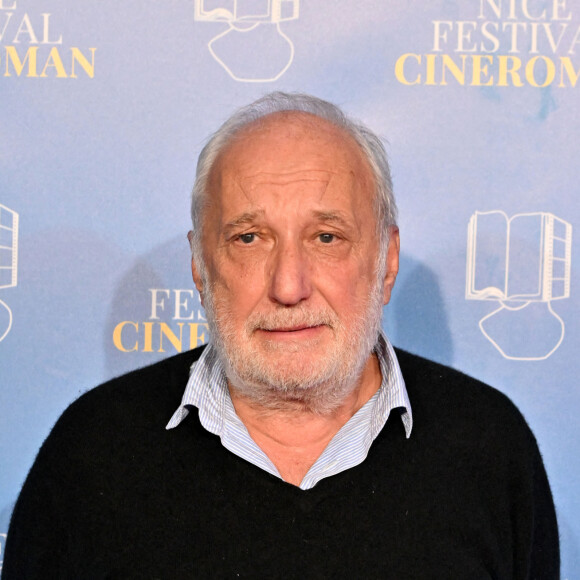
(289, 275)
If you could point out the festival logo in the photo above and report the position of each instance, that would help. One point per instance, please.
(32, 47)
(522, 263)
(252, 48)
(175, 322)
(8, 263)
(501, 44)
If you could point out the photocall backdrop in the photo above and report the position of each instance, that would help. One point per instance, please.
(105, 105)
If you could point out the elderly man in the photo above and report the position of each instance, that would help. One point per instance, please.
(294, 451)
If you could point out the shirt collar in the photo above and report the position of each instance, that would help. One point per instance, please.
(208, 391)
(392, 393)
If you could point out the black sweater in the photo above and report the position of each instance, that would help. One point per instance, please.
(112, 494)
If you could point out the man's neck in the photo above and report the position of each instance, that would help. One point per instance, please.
(294, 439)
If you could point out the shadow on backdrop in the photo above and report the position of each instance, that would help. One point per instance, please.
(166, 267)
(416, 319)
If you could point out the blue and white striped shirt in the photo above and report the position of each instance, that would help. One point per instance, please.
(208, 391)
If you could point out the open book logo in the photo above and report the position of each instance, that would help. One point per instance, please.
(8, 263)
(253, 48)
(524, 263)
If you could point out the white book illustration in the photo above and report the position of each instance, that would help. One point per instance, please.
(246, 10)
(518, 261)
(253, 48)
(8, 262)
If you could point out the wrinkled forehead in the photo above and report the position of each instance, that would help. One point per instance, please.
(324, 184)
(290, 151)
(261, 178)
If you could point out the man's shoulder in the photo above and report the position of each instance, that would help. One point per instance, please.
(149, 393)
(427, 377)
(449, 397)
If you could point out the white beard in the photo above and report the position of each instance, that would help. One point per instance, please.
(276, 376)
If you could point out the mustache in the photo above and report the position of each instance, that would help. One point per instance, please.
(293, 317)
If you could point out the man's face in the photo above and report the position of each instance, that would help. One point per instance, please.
(290, 250)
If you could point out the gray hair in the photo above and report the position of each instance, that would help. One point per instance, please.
(278, 102)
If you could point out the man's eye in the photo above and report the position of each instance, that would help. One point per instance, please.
(326, 238)
(247, 238)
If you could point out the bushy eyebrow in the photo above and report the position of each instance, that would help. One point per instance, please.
(250, 217)
(331, 217)
(244, 219)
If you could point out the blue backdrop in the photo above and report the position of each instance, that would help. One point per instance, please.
(105, 105)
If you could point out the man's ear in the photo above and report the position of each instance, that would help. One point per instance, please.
(197, 278)
(194, 270)
(392, 263)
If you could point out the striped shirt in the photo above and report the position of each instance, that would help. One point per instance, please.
(208, 391)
